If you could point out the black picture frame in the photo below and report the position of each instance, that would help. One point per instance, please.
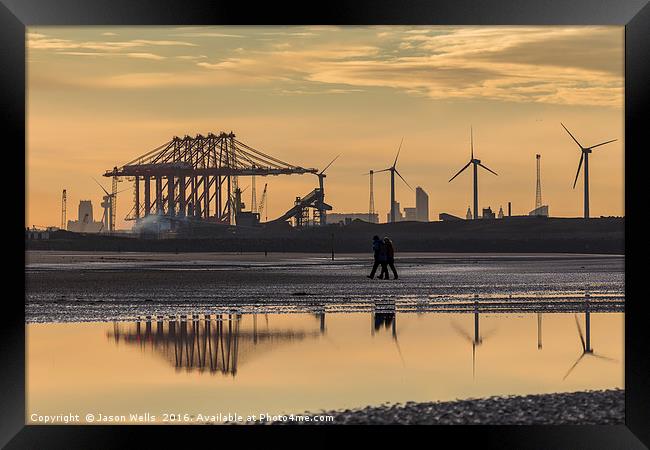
(15, 15)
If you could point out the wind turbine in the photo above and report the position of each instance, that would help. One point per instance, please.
(322, 206)
(393, 170)
(107, 204)
(476, 163)
(584, 156)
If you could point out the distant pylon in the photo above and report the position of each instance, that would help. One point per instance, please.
(63, 209)
(113, 200)
(371, 208)
(538, 194)
(469, 213)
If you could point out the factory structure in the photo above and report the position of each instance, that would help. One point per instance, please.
(85, 222)
(194, 181)
(540, 210)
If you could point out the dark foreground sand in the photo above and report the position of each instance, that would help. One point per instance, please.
(576, 408)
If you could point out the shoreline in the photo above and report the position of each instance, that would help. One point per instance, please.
(603, 407)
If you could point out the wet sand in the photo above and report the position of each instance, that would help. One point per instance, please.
(576, 408)
(111, 286)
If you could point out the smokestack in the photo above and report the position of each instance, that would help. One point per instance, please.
(509, 209)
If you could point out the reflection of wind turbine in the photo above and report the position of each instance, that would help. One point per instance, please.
(477, 339)
(394, 333)
(476, 163)
(393, 170)
(584, 156)
(586, 343)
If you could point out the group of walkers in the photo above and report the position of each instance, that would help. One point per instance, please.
(384, 256)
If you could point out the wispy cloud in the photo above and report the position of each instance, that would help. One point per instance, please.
(137, 55)
(39, 41)
(555, 65)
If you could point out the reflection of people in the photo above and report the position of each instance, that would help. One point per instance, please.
(376, 247)
(385, 319)
(390, 257)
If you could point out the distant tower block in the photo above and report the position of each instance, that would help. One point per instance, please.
(468, 216)
(421, 205)
(538, 194)
(500, 216)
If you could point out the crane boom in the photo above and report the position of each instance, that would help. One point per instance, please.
(261, 205)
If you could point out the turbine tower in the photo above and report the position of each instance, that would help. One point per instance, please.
(371, 207)
(584, 156)
(322, 206)
(393, 170)
(538, 193)
(476, 163)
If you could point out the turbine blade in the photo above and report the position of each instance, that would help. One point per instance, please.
(582, 155)
(471, 139)
(573, 366)
(458, 173)
(603, 143)
(462, 332)
(582, 339)
(327, 166)
(398, 150)
(382, 170)
(576, 141)
(100, 186)
(400, 175)
(489, 170)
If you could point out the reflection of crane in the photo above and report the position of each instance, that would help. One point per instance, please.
(585, 341)
(263, 205)
(216, 343)
(477, 339)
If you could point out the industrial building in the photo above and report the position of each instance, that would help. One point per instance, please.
(410, 214)
(449, 217)
(399, 217)
(85, 222)
(349, 217)
(488, 213)
(421, 205)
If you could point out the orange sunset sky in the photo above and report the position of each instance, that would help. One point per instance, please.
(98, 97)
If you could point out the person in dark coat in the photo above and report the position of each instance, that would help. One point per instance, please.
(390, 257)
(376, 247)
(383, 260)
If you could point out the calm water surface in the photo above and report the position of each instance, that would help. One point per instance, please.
(292, 363)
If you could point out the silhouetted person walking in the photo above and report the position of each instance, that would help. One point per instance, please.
(383, 260)
(390, 257)
(376, 248)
